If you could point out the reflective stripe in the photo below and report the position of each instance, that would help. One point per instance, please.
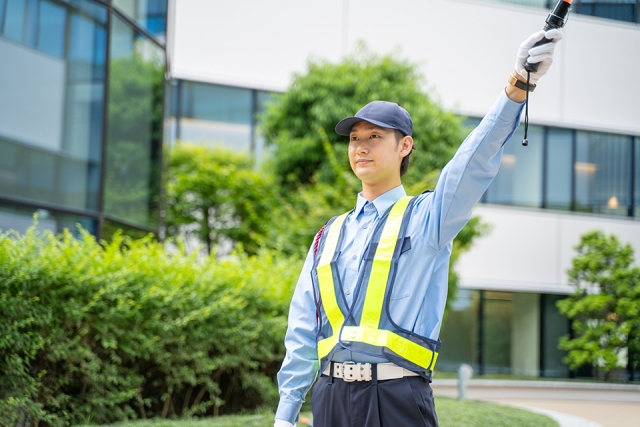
(403, 347)
(325, 277)
(381, 265)
(326, 345)
(368, 332)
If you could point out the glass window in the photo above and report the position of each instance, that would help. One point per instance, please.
(554, 326)
(31, 23)
(51, 109)
(14, 20)
(525, 335)
(602, 173)
(20, 218)
(263, 99)
(621, 10)
(213, 114)
(134, 131)
(519, 181)
(3, 4)
(53, 18)
(85, 86)
(149, 14)
(218, 103)
(496, 334)
(460, 332)
(637, 177)
(558, 174)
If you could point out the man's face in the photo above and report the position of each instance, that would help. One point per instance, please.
(374, 153)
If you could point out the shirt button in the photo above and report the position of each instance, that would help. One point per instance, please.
(355, 257)
(365, 226)
(348, 292)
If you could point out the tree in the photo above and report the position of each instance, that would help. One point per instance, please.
(605, 307)
(217, 196)
(302, 120)
(310, 162)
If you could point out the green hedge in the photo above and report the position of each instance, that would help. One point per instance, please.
(106, 332)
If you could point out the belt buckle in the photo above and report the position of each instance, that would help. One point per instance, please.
(348, 371)
(352, 371)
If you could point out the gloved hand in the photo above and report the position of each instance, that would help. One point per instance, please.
(282, 423)
(541, 54)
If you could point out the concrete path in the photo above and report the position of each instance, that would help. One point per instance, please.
(561, 418)
(583, 413)
(571, 404)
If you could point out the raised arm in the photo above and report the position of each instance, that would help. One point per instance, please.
(467, 176)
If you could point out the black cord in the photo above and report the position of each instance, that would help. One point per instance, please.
(525, 141)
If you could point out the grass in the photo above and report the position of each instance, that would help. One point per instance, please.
(451, 413)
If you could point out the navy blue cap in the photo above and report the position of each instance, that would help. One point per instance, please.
(381, 113)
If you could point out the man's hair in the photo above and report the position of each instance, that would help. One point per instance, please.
(405, 160)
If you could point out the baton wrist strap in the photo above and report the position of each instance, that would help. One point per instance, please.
(525, 141)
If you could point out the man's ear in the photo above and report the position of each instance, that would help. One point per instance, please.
(406, 145)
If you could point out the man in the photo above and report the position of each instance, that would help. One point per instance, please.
(367, 309)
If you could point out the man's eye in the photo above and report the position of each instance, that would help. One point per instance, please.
(375, 136)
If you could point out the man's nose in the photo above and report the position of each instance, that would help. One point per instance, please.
(362, 147)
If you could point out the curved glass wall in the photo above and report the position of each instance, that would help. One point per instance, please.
(150, 15)
(134, 133)
(20, 218)
(54, 112)
(52, 104)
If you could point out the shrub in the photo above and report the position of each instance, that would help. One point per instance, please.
(125, 329)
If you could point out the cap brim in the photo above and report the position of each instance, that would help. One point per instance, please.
(344, 126)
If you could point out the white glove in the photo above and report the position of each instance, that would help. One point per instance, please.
(282, 423)
(542, 55)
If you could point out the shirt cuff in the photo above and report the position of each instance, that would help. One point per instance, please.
(505, 109)
(288, 410)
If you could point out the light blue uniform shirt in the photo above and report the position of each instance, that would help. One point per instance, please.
(420, 287)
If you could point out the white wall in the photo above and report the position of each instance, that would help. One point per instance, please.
(530, 250)
(465, 49)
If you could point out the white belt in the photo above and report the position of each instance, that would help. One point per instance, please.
(351, 371)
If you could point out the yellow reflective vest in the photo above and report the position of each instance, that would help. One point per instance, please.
(365, 326)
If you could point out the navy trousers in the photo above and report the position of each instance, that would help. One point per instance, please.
(399, 402)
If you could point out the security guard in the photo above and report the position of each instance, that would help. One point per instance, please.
(367, 309)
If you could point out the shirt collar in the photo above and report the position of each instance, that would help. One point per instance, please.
(382, 202)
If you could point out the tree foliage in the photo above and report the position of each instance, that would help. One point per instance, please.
(128, 329)
(217, 196)
(605, 307)
(302, 119)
